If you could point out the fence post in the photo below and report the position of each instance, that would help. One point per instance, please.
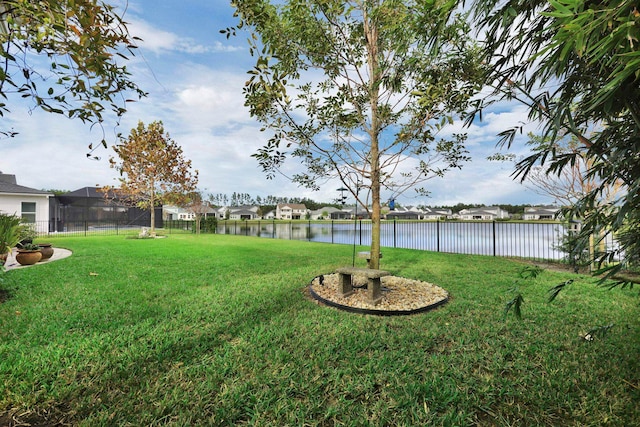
(309, 230)
(86, 228)
(360, 232)
(394, 232)
(438, 235)
(494, 238)
(331, 231)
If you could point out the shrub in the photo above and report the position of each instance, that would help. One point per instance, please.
(209, 224)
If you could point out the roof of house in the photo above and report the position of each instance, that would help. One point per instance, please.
(90, 192)
(542, 211)
(327, 209)
(8, 185)
(243, 212)
(252, 208)
(478, 211)
(530, 209)
(292, 206)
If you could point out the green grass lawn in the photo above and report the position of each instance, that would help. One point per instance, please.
(218, 330)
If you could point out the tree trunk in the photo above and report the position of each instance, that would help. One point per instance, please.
(152, 203)
(375, 216)
(371, 33)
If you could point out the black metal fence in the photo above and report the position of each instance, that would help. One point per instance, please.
(538, 240)
(104, 228)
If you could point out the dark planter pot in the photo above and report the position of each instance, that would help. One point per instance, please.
(28, 257)
(47, 250)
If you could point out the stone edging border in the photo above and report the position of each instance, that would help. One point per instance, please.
(373, 311)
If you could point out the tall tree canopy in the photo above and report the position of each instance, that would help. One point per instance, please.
(576, 64)
(65, 56)
(153, 169)
(358, 90)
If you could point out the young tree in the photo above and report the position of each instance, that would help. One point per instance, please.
(358, 90)
(153, 168)
(576, 65)
(197, 205)
(64, 56)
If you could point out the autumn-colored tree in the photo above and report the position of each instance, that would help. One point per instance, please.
(65, 56)
(153, 169)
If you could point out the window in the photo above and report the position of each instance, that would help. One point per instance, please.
(29, 212)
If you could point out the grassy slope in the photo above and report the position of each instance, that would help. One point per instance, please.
(217, 330)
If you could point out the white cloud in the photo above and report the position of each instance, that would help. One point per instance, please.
(158, 41)
(195, 88)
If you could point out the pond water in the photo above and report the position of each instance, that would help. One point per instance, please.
(514, 239)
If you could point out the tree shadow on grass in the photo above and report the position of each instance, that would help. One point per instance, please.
(148, 355)
(4, 295)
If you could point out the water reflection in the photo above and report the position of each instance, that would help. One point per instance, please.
(528, 240)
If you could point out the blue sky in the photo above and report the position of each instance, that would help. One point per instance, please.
(194, 77)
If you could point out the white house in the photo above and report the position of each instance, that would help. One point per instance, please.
(291, 211)
(30, 204)
(436, 214)
(323, 213)
(238, 212)
(244, 212)
(489, 213)
(534, 213)
(176, 213)
(402, 212)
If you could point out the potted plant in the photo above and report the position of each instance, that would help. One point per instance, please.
(28, 254)
(27, 233)
(9, 235)
(47, 250)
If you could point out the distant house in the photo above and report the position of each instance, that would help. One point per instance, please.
(28, 203)
(403, 215)
(403, 212)
(291, 211)
(357, 212)
(338, 214)
(244, 212)
(238, 212)
(221, 212)
(489, 213)
(416, 212)
(535, 213)
(323, 213)
(175, 213)
(436, 214)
